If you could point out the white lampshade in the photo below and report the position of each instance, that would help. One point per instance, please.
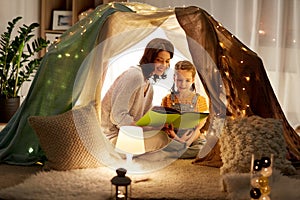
(130, 140)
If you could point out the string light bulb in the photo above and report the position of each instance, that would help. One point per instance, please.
(244, 49)
(221, 44)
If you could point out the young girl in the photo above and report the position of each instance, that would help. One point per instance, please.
(183, 97)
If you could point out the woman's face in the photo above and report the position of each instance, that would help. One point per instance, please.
(162, 62)
(183, 80)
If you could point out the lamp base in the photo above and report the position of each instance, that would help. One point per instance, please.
(129, 158)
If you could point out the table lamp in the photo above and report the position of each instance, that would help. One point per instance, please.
(130, 141)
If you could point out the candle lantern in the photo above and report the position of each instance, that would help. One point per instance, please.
(121, 188)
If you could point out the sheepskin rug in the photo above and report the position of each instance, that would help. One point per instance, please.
(180, 180)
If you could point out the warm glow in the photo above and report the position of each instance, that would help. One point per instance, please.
(221, 44)
(247, 78)
(261, 32)
(244, 112)
(244, 49)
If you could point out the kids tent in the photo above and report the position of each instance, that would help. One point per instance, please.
(74, 69)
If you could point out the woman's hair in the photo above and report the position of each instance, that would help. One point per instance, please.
(150, 54)
(188, 66)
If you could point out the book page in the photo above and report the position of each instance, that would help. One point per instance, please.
(189, 120)
(153, 118)
(158, 117)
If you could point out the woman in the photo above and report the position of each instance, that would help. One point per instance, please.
(185, 98)
(130, 96)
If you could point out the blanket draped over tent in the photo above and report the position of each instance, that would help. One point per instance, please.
(73, 71)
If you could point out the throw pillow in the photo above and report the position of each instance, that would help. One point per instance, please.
(69, 138)
(242, 137)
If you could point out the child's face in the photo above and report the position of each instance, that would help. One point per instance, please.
(183, 80)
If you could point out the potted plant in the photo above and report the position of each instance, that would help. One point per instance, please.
(19, 61)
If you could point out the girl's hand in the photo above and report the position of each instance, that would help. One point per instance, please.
(187, 135)
(190, 136)
(169, 129)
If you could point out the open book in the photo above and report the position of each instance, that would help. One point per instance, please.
(159, 115)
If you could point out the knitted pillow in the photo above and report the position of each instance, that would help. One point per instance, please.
(242, 137)
(61, 138)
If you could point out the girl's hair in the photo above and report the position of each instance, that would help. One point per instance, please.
(150, 54)
(188, 66)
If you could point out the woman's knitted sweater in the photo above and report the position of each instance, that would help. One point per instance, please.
(125, 102)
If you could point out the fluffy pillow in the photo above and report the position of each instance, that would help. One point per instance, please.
(242, 137)
(69, 138)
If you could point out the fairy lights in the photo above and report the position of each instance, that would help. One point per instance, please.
(221, 44)
(244, 49)
(30, 150)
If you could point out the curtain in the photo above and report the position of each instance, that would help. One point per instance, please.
(271, 29)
